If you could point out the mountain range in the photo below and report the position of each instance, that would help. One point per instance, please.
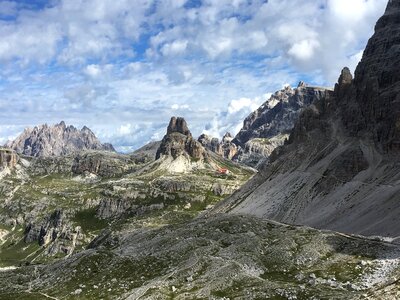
(187, 218)
(60, 139)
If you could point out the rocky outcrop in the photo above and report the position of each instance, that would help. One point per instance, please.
(57, 140)
(210, 143)
(55, 233)
(110, 208)
(257, 151)
(375, 92)
(105, 164)
(8, 159)
(178, 125)
(114, 208)
(179, 142)
(224, 148)
(340, 167)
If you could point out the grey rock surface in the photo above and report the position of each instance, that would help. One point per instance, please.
(266, 128)
(278, 115)
(146, 153)
(105, 164)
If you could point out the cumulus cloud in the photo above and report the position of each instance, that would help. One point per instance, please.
(174, 48)
(304, 50)
(92, 70)
(124, 67)
(231, 120)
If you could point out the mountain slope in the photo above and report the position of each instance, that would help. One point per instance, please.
(340, 168)
(45, 141)
(235, 257)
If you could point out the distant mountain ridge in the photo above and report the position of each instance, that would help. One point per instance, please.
(278, 114)
(56, 140)
(268, 127)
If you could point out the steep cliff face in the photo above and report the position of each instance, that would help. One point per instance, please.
(257, 151)
(278, 115)
(375, 94)
(56, 232)
(340, 168)
(46, 141)
(266, 128)
(8, 159)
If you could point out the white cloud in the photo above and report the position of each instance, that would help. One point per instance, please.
(126, 129)
(114, 64)
(92, 70)
(304, 50)
(231, 120)
(174, 48)
(180, 107)
(243, 103)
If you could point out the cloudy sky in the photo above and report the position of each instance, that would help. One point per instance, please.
(124, 67)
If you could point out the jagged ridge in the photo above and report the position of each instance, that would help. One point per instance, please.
(45, 141)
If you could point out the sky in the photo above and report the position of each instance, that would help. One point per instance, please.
(124, 67)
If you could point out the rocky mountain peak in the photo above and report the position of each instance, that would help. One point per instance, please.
(61, 124)
(279, 113)
(179, 142)
(345, 77)
(344, 83)
(56, 140)
(225, 148)
(178, 124)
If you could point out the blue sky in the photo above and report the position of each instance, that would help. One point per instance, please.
(124, 67)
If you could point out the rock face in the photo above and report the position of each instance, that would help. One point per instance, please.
(8, 159)
(104, 164)
(224, 148)
(257, 151)
(57, 140)
(55, 231)
(278, 115)
(179, 142)
(266, 128)
(340, 168)
(376, 88)
(178, 125)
